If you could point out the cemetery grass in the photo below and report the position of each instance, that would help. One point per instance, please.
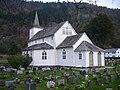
(42, 85)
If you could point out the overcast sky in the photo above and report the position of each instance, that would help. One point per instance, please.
(107, 3)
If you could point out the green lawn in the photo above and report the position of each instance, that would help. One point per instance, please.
(42, 85)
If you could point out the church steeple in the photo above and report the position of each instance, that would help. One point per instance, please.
(36, 21)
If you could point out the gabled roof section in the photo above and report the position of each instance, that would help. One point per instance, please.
(70, 41)
(36, 21)
(47, 32)
(113, 50)
(39, 47)
(86, 46)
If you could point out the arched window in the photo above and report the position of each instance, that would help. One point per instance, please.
(99, 58)
(91, 63)
(44, 55)
(64, 54)
(80, 55)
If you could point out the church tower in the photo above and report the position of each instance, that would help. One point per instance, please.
(36, 27)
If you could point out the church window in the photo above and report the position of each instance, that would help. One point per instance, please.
(64, 54)
(80, 55)
(70, 32)
(64, 31)
(44, 55)
(99, 58)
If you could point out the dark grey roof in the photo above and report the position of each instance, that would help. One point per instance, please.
(70, 41)
(39, 47)
(86, 46)
(36, 21)
(113, 50)
(47, 31)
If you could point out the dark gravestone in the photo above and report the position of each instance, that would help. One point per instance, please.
(78, 79)
(83, 73)
(118, 76)
(53, 73)
(89, 84)
(37, 80)
(71, 73)
(98, 82)
(2, 83)
(106, 80)
(12, 74)
(32, 86)
(111, 78)
(17, 81)
(101, 75)
(70, 80)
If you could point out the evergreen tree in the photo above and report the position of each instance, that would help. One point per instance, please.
(101, 30)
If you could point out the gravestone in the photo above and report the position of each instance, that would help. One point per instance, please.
(50, 84)
(86, 77)
(83, 73)
(53, 73)
(17, 81)
(89, 71)
(9, 83)
(101, 75)
(61, 82)
(2, 83)
(97, 71)
(71, 73)
(32, 86)
(12, 73)
(106, 80)
(78, 79)
(37, 80)
(99, 83)
(65, 74)
(8, 69)
(19, 72)
(76, 73)
(118, 76)
(23, 69)
(70, 80)
(108, 89)
(89, 84)
(111, 78)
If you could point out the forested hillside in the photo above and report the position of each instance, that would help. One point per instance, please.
(17, 16)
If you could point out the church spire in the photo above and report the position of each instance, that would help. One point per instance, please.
(36, 21)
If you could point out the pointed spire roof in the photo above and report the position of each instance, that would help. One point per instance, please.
(36, 21)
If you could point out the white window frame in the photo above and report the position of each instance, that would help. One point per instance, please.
(44, 55)
(64, 54)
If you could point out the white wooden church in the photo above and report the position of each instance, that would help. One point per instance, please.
(60, 45)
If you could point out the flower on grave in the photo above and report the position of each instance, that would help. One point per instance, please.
(83, 82)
